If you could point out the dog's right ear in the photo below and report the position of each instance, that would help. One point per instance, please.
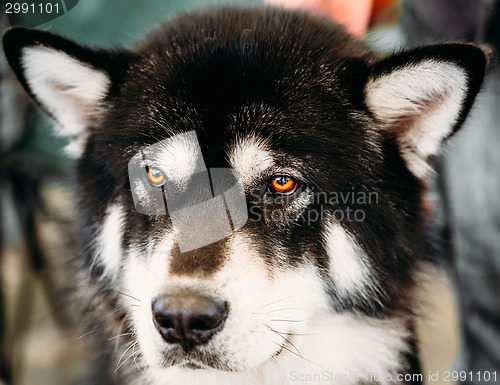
(66, 80)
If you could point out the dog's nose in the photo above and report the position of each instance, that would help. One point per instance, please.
(188, 319)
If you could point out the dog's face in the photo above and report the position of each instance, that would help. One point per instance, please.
(328, 144)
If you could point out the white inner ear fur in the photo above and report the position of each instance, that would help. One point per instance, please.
(69, 90)
(421, 102)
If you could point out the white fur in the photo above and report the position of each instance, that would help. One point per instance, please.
(289, 301)
(179, 157)
(142, 281)
(69, 90)
(430, 95)
(108, 252)
(243, 337)
(348, 264)
(250, 157)
(341, 348)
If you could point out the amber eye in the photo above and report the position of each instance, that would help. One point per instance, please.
(156, 176)
(283, 184)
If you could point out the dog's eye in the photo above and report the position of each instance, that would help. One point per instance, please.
(283, 184)
(156, 176)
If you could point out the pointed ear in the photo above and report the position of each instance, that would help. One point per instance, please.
(422, 96)
(68, 81)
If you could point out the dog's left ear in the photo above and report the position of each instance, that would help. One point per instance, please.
(422, 96)
(68, 81)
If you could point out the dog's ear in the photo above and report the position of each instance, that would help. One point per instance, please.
(66, 80)
(422, 96)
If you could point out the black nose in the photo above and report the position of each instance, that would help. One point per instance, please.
(188, 319)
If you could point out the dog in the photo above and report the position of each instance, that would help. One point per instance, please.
(251, 193)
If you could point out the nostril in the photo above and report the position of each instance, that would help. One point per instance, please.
(164, 322)
(199, 325)
(203, 324)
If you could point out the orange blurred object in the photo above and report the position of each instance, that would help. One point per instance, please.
(354, 15)
(381, 5)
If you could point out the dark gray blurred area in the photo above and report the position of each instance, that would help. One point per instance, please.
(468, 184)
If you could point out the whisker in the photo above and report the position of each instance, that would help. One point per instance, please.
(120, 335)
(88, 333)
(285, 308)
(119, 332)
(285, 298)
(276, 310)
(135, 356)
(123, 354)
(284, 333)
(123, 363)
(305, 359)
(127, 295)
(286, 339)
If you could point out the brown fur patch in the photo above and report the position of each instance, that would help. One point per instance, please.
(201, 262)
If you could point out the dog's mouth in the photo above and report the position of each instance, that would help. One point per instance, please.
(192, 365)
(207, 360)
(196, 360)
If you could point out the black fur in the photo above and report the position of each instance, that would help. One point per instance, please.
(292, 78)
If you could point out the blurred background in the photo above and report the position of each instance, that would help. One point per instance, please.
(460, 329)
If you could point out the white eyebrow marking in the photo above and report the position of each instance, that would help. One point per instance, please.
(179, 157)
(250, 157)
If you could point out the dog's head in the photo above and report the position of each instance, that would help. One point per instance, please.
(328, 144)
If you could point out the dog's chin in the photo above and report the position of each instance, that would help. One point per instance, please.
(200, 362)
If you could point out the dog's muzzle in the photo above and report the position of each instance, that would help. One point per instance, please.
(188, 319)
